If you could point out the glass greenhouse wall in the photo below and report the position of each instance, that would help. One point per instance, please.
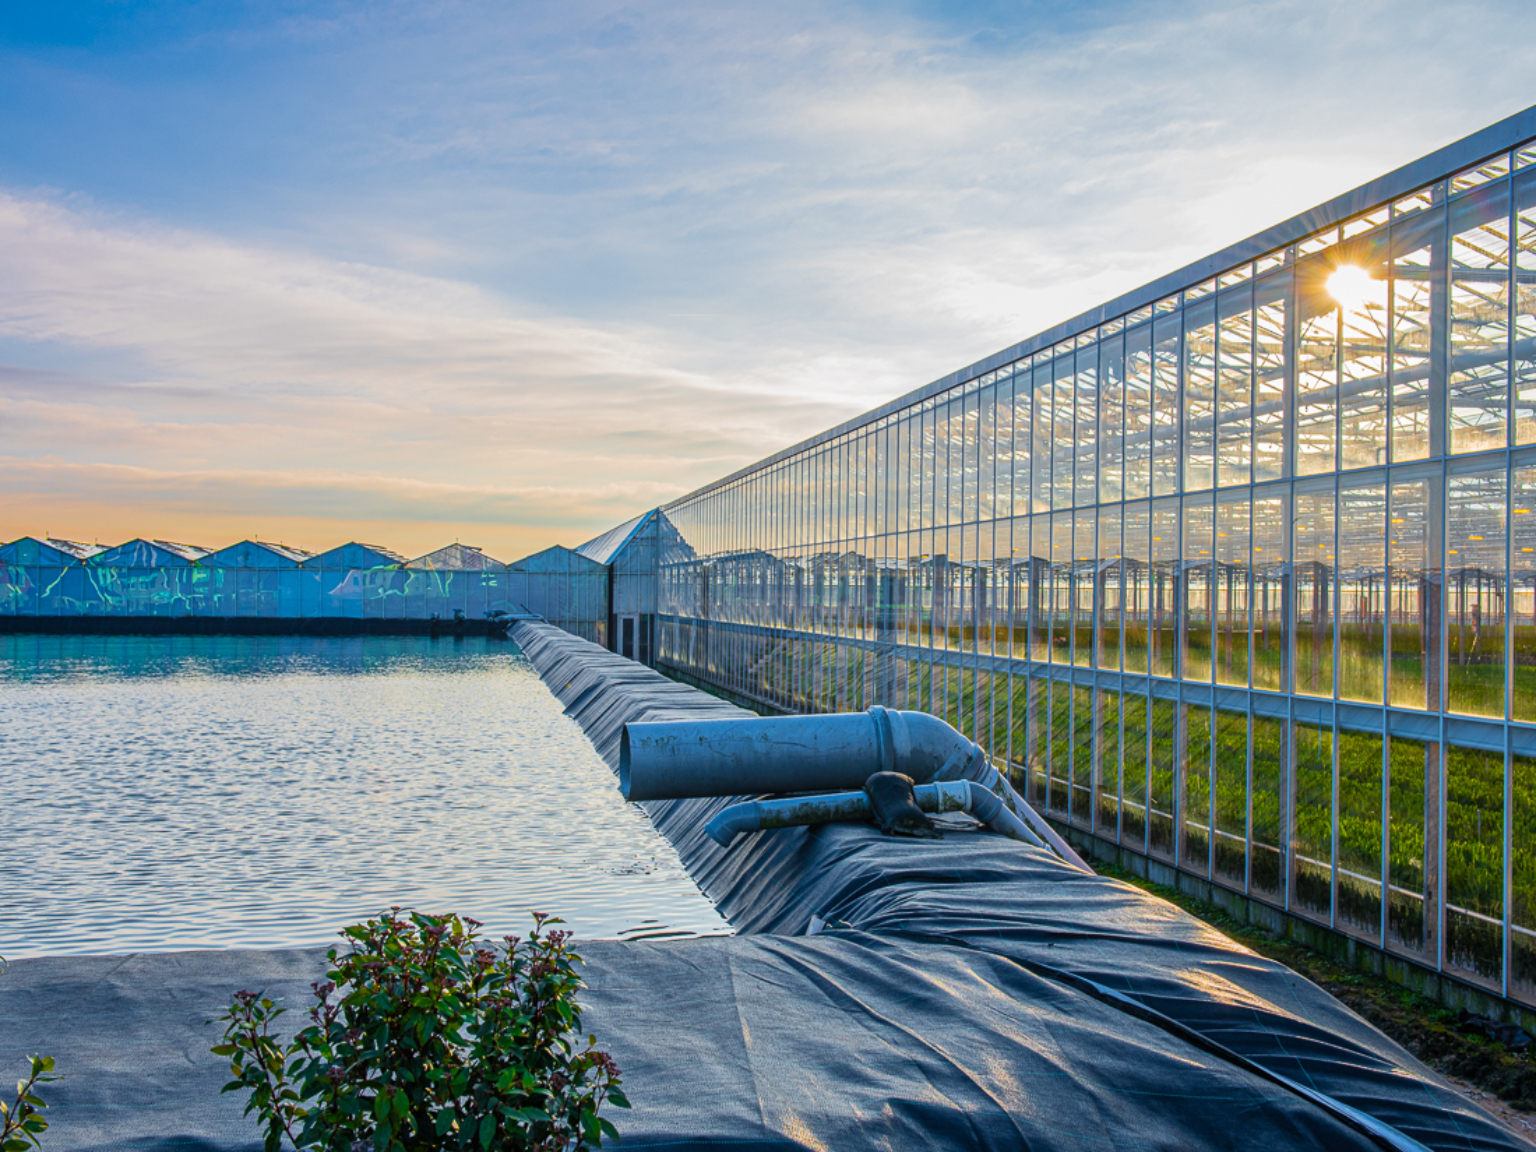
(1237, 572)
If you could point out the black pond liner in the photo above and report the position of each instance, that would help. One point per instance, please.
(968, 992)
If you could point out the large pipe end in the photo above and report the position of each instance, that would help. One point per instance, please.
(624, 762)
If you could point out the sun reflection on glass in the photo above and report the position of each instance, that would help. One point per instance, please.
(1353, 287)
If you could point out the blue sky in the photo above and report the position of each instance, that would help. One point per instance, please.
(510, 273)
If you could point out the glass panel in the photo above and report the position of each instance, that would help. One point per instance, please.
(1021, 590)
(1413, 787)
(941, 466)
(1023, 406)
(996, 701)
(1040, 588)
(1082, 755)
(1061, 588)
(1084, 587)
(1479, 174)
(1111, 420)
(1109, 569)
(1233, 631)
(1064, 410)
(1000, 592)
(1269, 760)
(1164, 593)
(1314, 570)
(1231, 853)
(1086, 447)
(1317, 373)
(1037, 741)
(1522, 897)
(1138, 414)
(1019, 732)
(1410, 296)
(1138, 586)
(1196, 593)
(1477, 384)
(1360, 832)
(1199, 397)
(1414, 591)
(1522, 592)
(1474, 591)
(1362, 592)
(1271, 591)
(1197, 789)
(1060, 768)
(1107, 778)
(1044, 433)
(961, 483)
(963, 687)
(1474, 862)
(1165, 407)
(1165, 730)
(1133, 807)
(1002, 433)
(1269, 386)
(1525, 310)
(1234, 389)
(1313, 853)
(986, 455)
(1361, 291)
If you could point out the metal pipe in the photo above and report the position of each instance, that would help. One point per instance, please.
(851, 807)
(684, 759)
(677, 760)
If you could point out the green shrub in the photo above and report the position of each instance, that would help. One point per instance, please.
(22, 1121)
(422, 1039)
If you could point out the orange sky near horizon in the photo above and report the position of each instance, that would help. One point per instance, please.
(104, 522)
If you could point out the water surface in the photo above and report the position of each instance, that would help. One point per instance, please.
(213, 792)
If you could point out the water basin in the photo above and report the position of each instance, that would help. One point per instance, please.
(216, 792)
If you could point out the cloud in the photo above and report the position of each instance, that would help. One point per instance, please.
(257, 362)
(548, 266)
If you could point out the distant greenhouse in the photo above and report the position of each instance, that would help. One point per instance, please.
(51, 579)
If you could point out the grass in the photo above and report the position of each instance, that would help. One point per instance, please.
(1425, 1028)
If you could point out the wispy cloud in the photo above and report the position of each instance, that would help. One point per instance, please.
(544, 266)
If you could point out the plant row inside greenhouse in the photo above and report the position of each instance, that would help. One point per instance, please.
(1407, 842)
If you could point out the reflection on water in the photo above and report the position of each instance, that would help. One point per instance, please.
(216, 792)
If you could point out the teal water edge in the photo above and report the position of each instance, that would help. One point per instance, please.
(167, 793)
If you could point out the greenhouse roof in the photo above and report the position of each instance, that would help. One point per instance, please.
(141, 553)
(458, 558)
(605, 547)
(31, 550)
(256, 554)
(557, 558)
(355, 555)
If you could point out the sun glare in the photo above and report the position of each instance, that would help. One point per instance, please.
(1353, 287)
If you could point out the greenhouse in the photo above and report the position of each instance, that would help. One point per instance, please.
(628, 552)
(1237, 571)
(61, 580)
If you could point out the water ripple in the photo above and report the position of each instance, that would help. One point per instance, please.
(221, 792)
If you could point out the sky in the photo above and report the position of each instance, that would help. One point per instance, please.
(511, 273)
